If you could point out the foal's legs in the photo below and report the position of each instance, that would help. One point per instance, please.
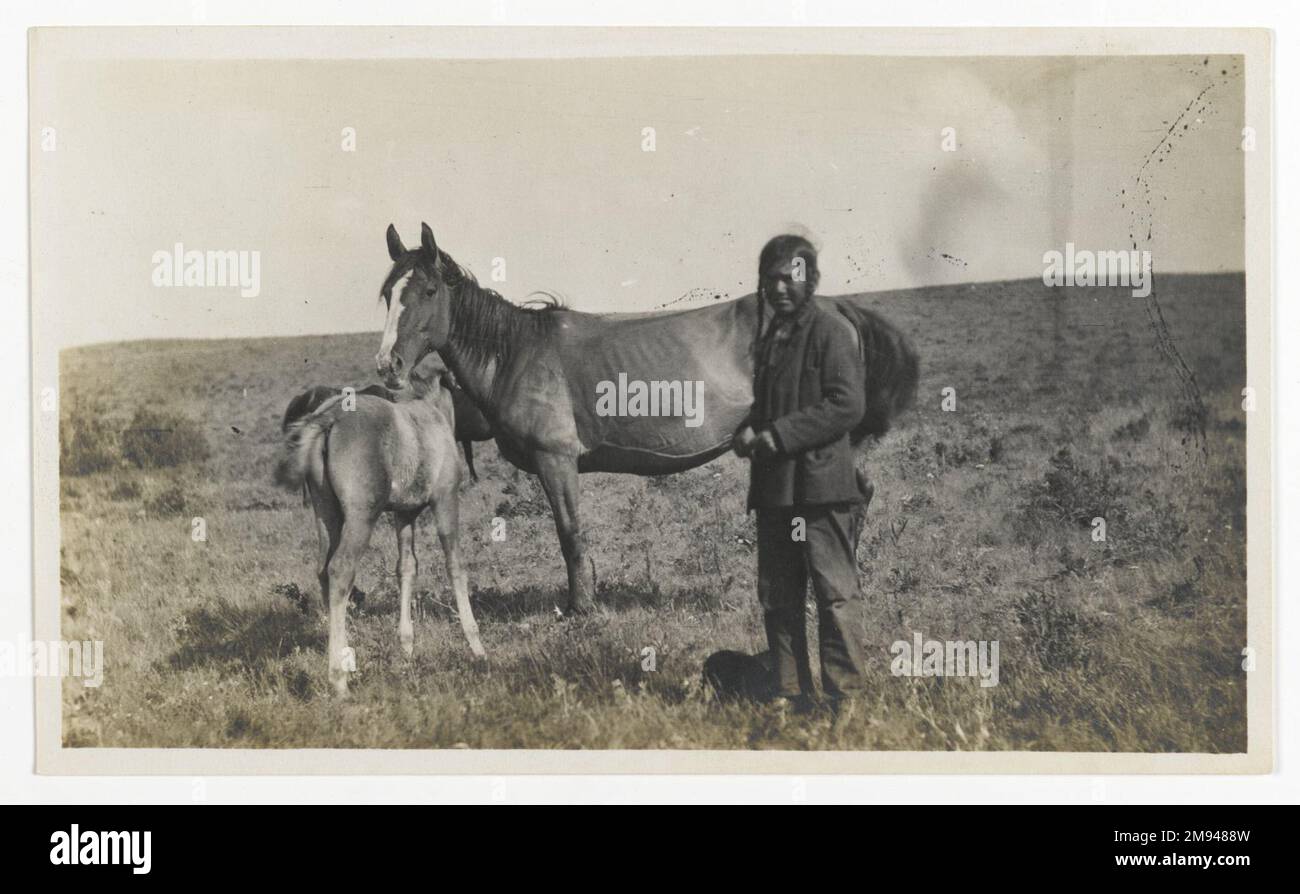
(342, 573)
(329, 528)
(559, 476)
(446, 516)
(407, 568)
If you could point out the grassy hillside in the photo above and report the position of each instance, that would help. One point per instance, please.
(980, 530)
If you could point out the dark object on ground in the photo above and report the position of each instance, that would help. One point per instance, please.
(735, 676)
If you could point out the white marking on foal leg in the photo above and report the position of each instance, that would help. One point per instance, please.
(338, 637)
(460, 583)
(446, 515)
(342, 574)
(407, 568)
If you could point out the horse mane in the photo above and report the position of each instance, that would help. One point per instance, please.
(487, 325)
(545, 299)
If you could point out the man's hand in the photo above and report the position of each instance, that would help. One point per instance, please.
(743, 441)
(764, 445)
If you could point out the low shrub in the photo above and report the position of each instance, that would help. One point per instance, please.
(158, 440)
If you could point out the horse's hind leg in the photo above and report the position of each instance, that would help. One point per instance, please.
(407, 569)
(446, 516)
(352, 544)
(559, 476)
(329, 528)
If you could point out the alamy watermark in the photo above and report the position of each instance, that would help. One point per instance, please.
(89, 848)
(1098, 268)
(54, 658)
(636, 397)
(945, 658)
(195, 269)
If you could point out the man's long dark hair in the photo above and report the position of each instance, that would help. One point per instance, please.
(787, 246)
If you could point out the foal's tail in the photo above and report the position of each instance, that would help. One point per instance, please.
(303, 453)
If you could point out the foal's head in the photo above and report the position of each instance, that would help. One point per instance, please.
(419, 307)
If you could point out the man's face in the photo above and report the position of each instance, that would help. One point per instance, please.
(785, 285)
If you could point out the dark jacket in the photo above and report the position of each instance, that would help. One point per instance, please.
(809, 391)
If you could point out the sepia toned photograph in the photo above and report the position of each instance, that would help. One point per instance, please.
(501, 400)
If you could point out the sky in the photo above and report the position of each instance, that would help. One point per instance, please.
(538, 170)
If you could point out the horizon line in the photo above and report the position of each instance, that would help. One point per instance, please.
(662, 309)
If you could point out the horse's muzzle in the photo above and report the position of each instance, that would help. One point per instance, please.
(396, 383)
(392, 369)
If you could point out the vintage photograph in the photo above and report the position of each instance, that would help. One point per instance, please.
(667, 400)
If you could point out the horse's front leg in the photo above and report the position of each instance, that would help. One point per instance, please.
(559, 476)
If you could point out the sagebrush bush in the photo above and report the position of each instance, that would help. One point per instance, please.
(87, 443)
(977, 442)
(171, 500)
(1078, 493)
(1133, 430)
(158, 440)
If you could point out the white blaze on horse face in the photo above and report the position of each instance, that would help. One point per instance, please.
(395, 308)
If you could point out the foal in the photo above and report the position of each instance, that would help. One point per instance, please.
(359, 457)
(471, 425)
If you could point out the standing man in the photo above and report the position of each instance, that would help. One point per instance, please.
(808, 395)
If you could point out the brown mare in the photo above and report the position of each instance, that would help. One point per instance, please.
(543, 378)
(361, 457)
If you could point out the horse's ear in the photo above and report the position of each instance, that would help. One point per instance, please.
(395, 247)
(426, 241)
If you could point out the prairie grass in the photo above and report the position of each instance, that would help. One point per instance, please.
(982, 529)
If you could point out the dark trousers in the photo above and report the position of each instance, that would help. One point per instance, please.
(784, 566)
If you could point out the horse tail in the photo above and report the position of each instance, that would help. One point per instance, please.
(892, 371)
(303, 453)
(468, 446)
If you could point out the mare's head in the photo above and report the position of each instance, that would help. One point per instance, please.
(419, 307)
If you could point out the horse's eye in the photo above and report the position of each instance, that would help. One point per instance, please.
(429, 292)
